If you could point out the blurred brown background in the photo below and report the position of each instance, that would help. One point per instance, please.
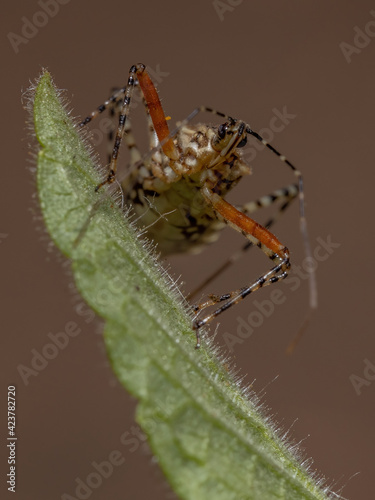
(247, 59)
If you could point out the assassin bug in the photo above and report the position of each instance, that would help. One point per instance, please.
(178, 189)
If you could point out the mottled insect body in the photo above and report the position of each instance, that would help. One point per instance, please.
(177, 190)
(167, 196)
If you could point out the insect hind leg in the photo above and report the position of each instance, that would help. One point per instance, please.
(256, 234)
(285, 196)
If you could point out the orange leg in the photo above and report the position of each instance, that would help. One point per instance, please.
(156, 112)
(137, 75)
(257, 235)
(285, 195)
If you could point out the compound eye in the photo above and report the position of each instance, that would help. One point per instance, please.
(221, 131)
(242, 143)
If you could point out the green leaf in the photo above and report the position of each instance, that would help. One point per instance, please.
(208, 434)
